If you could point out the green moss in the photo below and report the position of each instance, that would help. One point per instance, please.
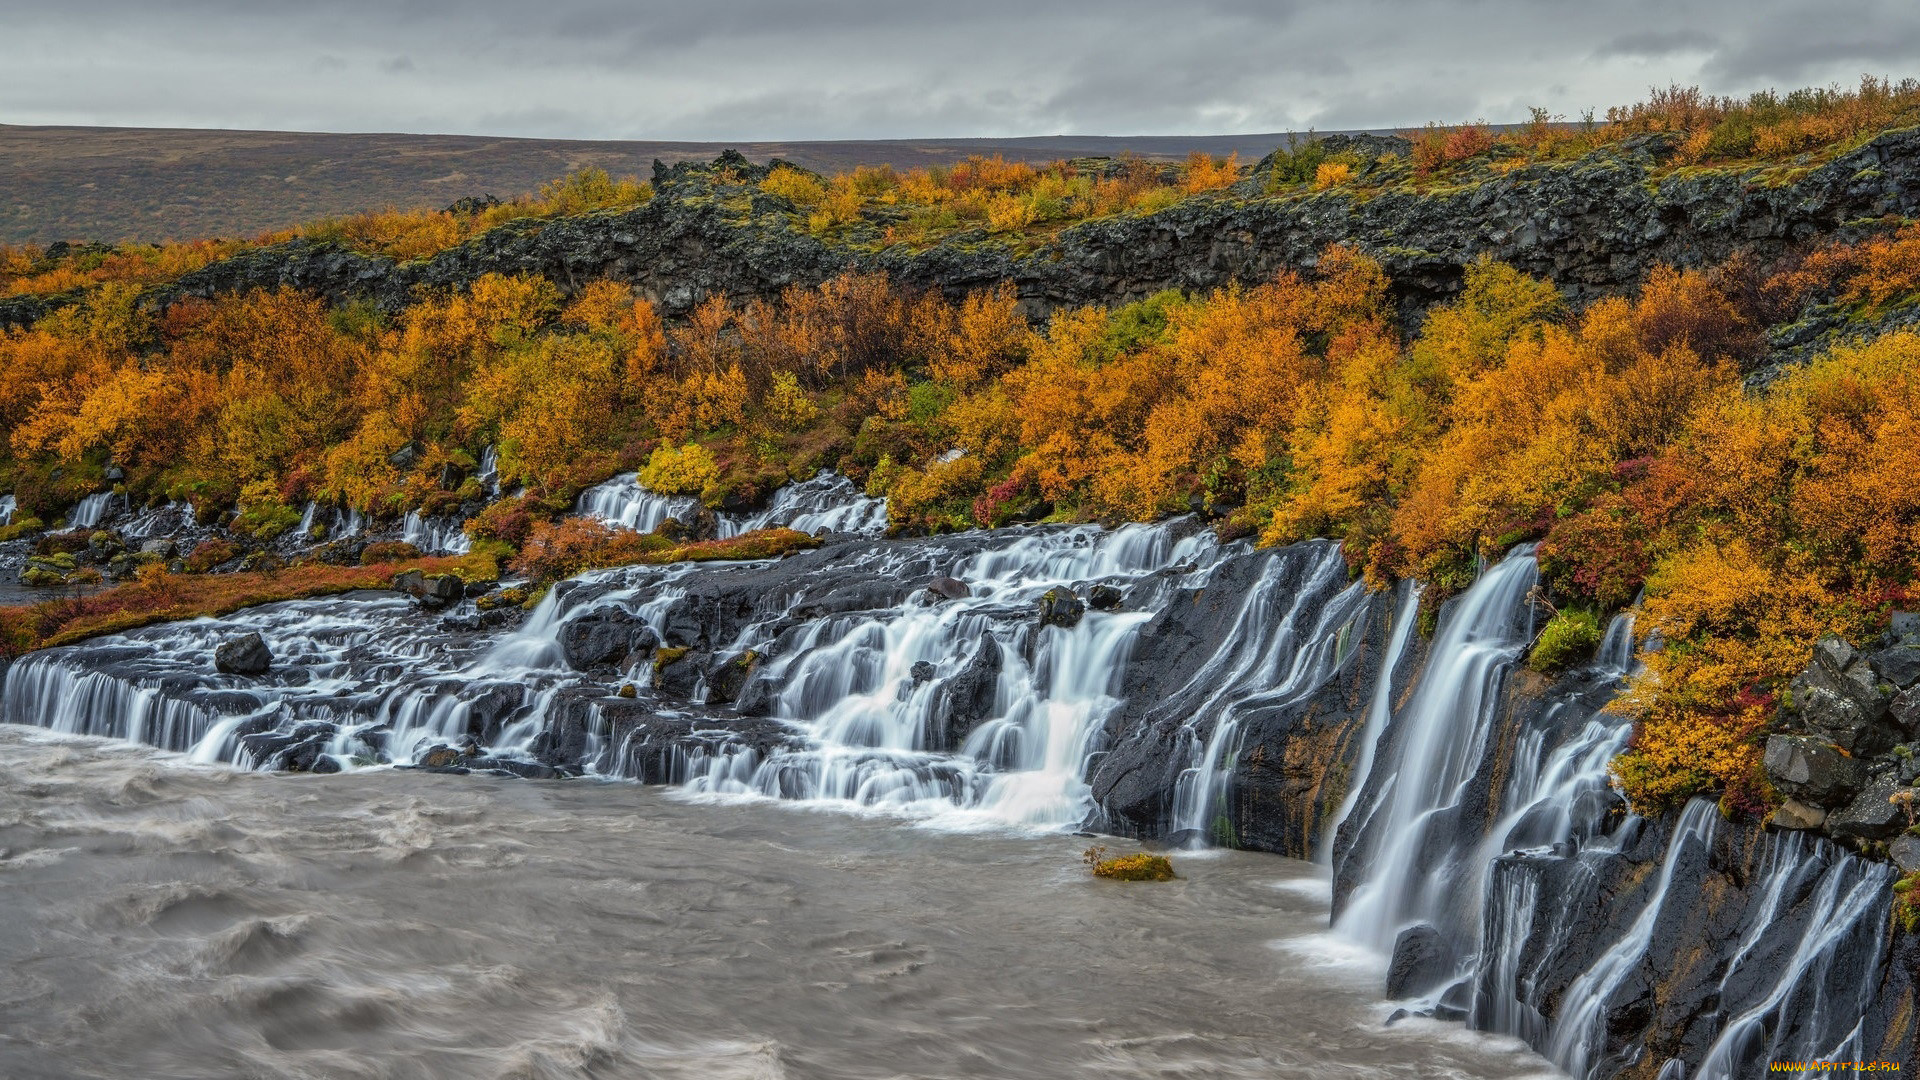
(1570, 636)
(667, 657)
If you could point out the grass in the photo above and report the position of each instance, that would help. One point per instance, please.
(159, 597)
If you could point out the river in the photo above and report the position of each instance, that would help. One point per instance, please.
(175, 920)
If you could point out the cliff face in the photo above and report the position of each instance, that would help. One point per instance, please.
(1592, 226)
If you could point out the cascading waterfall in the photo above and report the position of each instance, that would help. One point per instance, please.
(1294, 628)
(1379, 712)
(95, 510)
(860, 690)
(825, 501)
(489, 474)
(622, 501)
(340, 523)
(7, 505)
(436, 535)
(1435, 747)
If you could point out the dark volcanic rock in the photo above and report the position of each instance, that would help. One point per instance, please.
(967, 698)
(1059, 607)
(946, 588)
(1840, 697)
(605, 638)
(726, 679)
(246, 655)
(1811, 770)
(1871, 815)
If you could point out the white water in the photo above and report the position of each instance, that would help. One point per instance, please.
(340, 523)
(825, 501)
(7, 506)
(95, 510)
(848, 685)
(1379, 714)
(436, 535)
(1293, 630)
(1439, 738)
(489, 475)
(1578, 1029)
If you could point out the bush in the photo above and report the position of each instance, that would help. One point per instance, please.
(211, 553)
(1141, 867)
(388, 551)
(1331, 174)
(686, 471)
(1906, 902)
(1570, 636)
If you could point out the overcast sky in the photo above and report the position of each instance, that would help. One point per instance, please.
(824, 69)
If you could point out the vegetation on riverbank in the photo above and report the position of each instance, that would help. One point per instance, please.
(1619, 436)
(157, 596)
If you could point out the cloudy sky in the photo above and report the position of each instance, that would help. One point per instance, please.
(824, 69)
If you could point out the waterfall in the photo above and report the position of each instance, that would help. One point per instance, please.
(436, 535)
(874, 694)
(1433, 748)
(7, 506)
(489, 475)
(1292, 631)
(340, 523)
(1379, 712)
(826, 500)
(622, 501)
(94, 510)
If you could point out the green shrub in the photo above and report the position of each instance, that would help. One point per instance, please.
(1570, 636)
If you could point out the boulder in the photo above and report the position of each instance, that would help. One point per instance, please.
(1060, 607)
(1871, 815)
(244, 655)
(1905, 853)
(406, 457)
(605, 638)
(1796, 815)
(164, 548)
(968, 697)
(922, 672)
(1899, 665)
(1905, 710)
(1421, 962)
(1105, 597)
(441, 590)
(1812, 771)
(1842, 698)
(677, 672)
(726, 679)
(946, 588)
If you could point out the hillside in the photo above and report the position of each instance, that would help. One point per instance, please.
(152, 185)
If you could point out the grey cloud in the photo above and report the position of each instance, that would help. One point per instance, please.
(1655, 44)
(782, 69)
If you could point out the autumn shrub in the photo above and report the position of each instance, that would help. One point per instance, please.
(1906, 903)
(803, 188)
(210, 553)
(687, 470)
(386, 551)
(1569, 637)
(1331, 174)
(1139, 867)
(1203, 172)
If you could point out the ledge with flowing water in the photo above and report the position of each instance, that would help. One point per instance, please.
(1145, 680)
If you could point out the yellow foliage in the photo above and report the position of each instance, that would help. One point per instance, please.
(685, 471)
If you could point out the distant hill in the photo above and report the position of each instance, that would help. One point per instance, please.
(151, 184)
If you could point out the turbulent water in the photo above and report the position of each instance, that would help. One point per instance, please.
(176, 920)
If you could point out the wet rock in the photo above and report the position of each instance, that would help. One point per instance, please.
(1421, 961)
(1905, 710)
(727, 678)
(1105, 597)
(1812, 770)
(922, 672)
(967, 698)
(245, 655)
(757, 698)
(677, 672)
(946, 588)
(1905, 853)
(606, 638)
(406, 457)
(441, 590)
(1060, 607)
(470, 623)
(442, 757)
(1872, 815)
(1794, 814)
